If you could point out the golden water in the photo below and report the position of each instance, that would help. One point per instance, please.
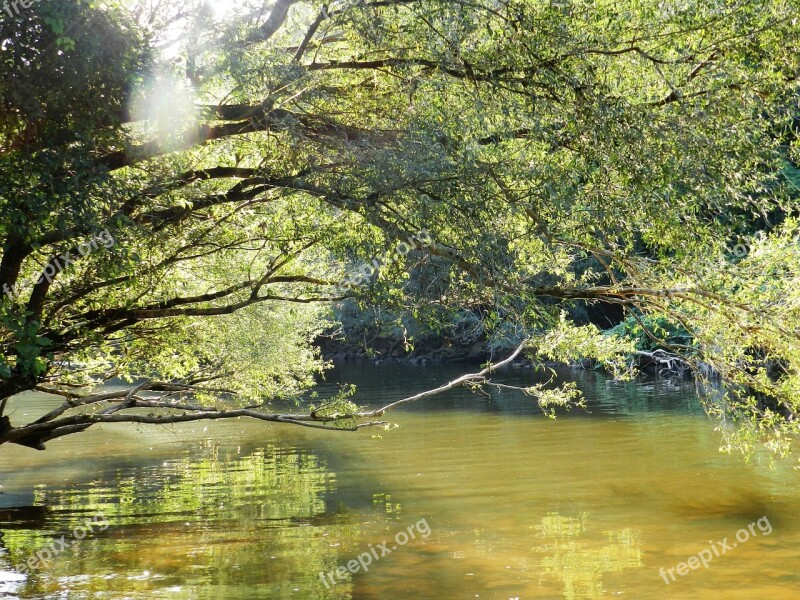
(514, 505)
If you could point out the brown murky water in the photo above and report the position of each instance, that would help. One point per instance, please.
(502, 503)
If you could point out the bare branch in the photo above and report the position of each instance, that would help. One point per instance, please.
(469, 378)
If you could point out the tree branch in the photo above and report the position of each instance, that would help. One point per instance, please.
(275, 21)
(469, 378)
(50, 426)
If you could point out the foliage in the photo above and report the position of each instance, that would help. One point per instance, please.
(653, 333)
(566, 342)
(264, 158)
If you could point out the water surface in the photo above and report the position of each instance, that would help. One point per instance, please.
(511, 504)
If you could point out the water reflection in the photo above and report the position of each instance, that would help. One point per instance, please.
(581, 564)
(589, 506)
(258, 522)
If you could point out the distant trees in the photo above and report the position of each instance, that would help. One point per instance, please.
(257, 161)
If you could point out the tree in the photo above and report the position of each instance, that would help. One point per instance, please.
(233, 186)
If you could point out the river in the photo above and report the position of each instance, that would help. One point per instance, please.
(470, 497)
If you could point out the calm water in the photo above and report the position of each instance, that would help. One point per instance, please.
(503, 503)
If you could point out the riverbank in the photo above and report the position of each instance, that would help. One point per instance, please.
(382, 350)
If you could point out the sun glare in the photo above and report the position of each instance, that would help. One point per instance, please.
(222, 8)
(166, 108)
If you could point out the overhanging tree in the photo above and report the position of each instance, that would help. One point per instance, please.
(239, 180)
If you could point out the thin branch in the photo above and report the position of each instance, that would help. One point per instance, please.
(312, 30)
(469, 378)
